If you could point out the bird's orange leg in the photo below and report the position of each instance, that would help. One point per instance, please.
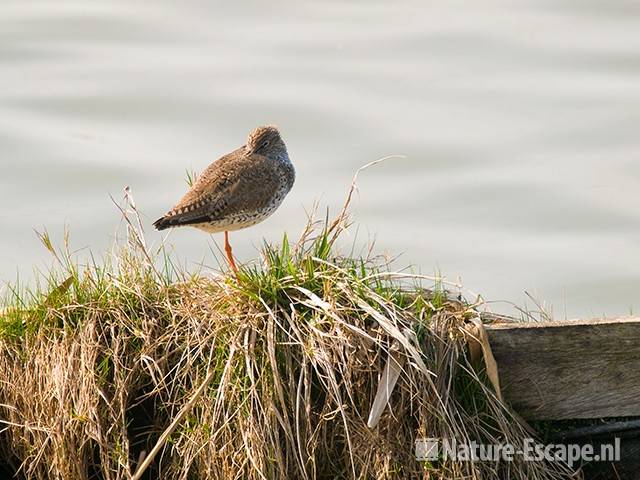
(227, 249)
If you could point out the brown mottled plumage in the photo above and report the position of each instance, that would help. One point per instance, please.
(238, 190)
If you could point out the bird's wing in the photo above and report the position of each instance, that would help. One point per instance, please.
(232, 185)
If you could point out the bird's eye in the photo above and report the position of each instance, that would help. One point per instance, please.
(265, 144)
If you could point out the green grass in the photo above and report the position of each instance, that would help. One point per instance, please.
(268, 375)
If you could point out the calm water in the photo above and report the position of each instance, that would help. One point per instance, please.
(520, 123)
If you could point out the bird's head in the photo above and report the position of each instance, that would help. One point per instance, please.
(265, 141)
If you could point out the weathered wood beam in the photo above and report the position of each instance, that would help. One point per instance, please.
(569, 369)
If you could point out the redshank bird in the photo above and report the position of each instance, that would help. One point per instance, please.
(238, 190)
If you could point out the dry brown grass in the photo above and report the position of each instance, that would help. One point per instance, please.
(287, 360)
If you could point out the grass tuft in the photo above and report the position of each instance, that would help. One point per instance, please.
(132, 368)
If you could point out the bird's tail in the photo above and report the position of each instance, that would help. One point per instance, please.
(163, 223)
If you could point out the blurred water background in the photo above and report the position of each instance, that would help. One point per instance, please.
(519, 122)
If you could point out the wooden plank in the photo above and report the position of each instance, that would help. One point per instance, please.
(569, 369)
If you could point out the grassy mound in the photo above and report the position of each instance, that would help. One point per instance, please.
(132, 368)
